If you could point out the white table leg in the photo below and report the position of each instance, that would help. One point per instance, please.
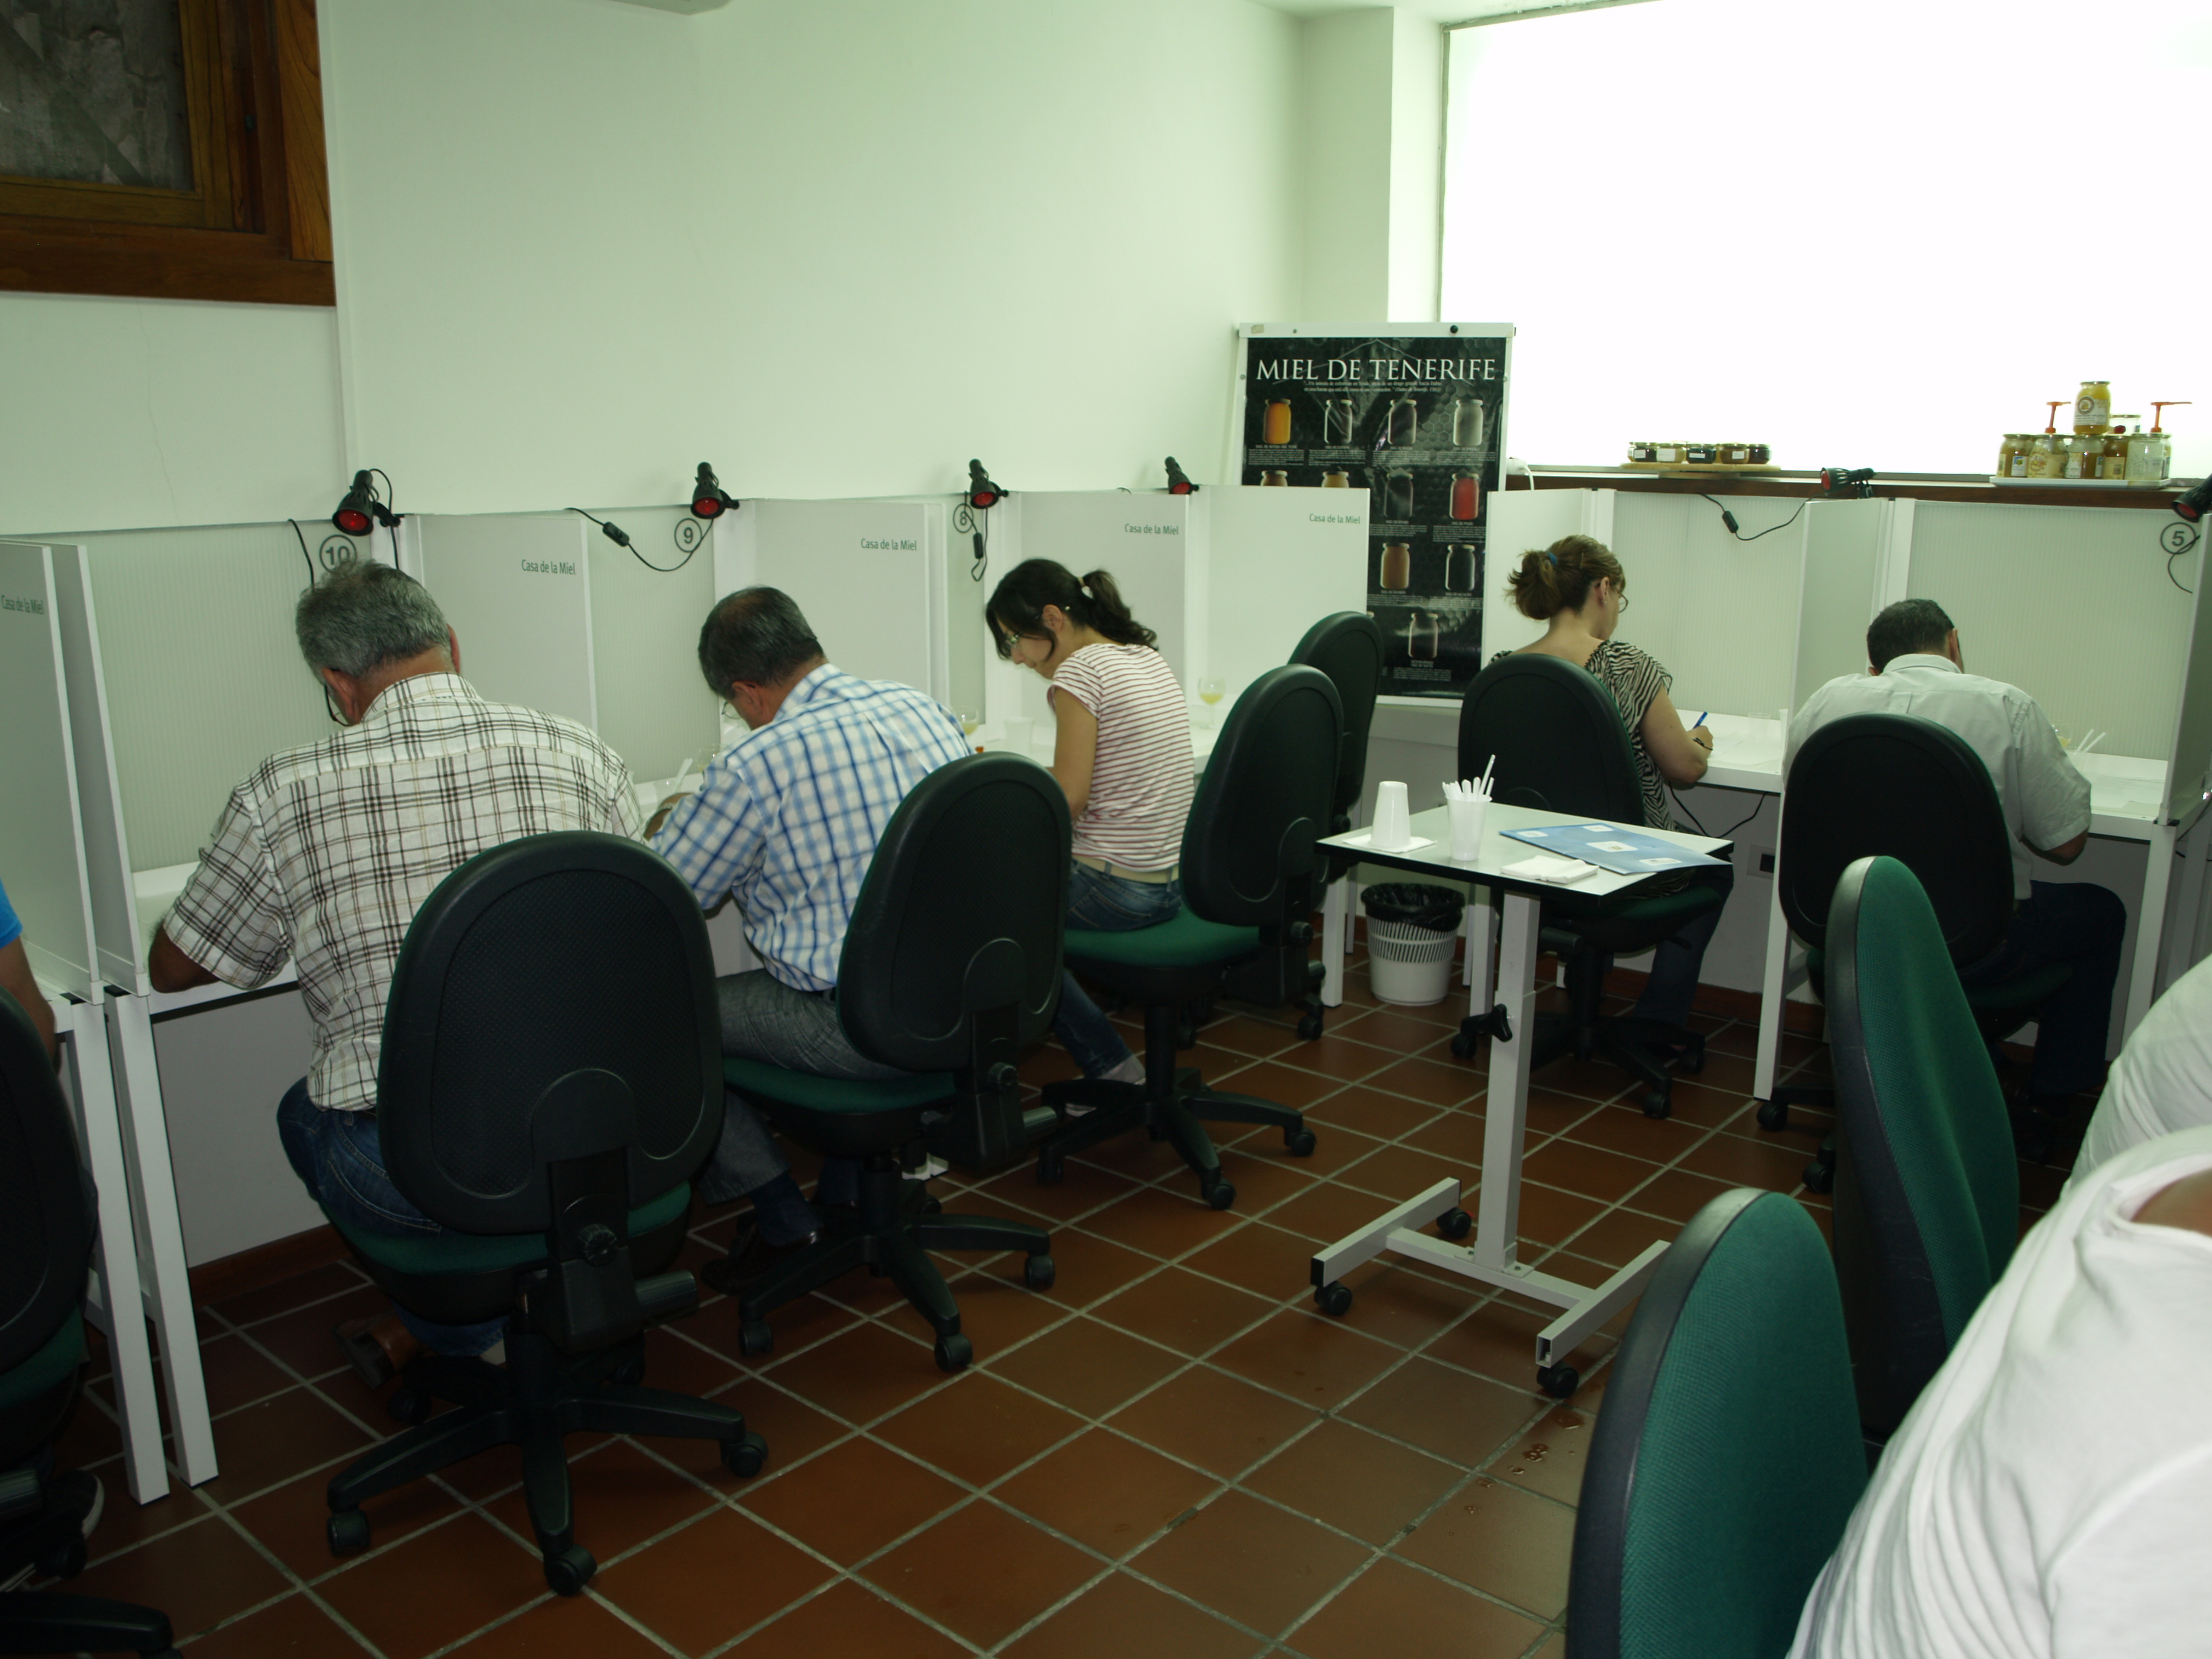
(118, 1305)
(2150, 926)
(1335, 925)
(1497, 1220)
(1773, 994)
(161, 1233)
(1481, 927)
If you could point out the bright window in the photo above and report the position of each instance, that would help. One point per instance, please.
(1881, 235)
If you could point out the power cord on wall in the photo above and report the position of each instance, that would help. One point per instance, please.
(615, 533)
(1728, 519)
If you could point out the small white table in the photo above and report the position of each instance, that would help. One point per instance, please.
(1490, 1259)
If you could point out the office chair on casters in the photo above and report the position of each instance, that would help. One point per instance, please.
(549, 1080)
(46, 1224)
(1726, 1460)
(1926, 1189)
(951, 966)
(1348, 649)
(1898, 787)
(1556, 737)
(1249, 865)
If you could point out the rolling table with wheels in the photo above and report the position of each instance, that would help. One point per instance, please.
(1489, 1258)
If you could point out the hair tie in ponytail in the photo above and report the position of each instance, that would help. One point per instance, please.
(1554, 558)
(1084, 590)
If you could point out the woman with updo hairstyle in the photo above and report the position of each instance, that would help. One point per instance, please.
(1578, 589)
(1122, 752)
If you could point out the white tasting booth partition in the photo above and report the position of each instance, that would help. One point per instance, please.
(517, 590)
(1278, 561)
(869, 575)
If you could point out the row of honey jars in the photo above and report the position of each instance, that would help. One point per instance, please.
(2113, 456)
(1677, 452)
(1395, 573)
(1402, 423)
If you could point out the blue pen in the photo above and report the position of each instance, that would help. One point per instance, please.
(1700, 721)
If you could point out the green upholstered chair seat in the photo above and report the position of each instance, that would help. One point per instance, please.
(2025, 991)
(48, 1369)
(1636, 925)
(758, 1080)
(1188, 940)
(434, 1255)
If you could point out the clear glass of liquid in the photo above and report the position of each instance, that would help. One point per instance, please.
(1212, 689)
(969, 719)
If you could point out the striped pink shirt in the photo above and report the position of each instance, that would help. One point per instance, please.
(1141, 781)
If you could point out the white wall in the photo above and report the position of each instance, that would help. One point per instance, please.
(122, 413)
(837, 248)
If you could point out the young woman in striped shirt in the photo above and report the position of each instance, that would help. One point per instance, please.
(1122, 753)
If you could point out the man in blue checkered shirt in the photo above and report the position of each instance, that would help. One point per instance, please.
(786, 824)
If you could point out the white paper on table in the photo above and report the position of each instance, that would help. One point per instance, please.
(1550, 867)
(1365, 838)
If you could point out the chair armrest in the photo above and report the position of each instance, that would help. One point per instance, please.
(21, 1493)
(667, 1296)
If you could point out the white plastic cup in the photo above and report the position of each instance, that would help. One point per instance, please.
(1392, 831)
(1466, 817)
(1018, 734)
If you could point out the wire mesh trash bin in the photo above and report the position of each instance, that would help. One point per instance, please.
(1410, 932)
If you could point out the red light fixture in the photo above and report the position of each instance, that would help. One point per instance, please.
(1179, 482)
(707, 499)
(361, 510)
(981, 492)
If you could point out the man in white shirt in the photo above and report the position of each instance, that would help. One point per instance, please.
(2036, 1504)
(1917, 669)
(2162, 1080)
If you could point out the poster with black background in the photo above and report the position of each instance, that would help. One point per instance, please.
(1414, 414)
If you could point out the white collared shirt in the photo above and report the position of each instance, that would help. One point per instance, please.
(2044, 796)
(2045, 1497)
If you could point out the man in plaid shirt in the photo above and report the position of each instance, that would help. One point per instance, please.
(786, 824)
(325, 854)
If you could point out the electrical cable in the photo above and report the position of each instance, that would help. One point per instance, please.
(975, 523)
(306, 557)
(620, 537)
(329, 708)
(1728, 519)
(1706, 833)
(2176, 552)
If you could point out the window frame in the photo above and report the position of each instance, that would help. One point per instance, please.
(256, 225)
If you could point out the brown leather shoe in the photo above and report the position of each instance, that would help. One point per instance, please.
(750, 1255)
(377, 1349)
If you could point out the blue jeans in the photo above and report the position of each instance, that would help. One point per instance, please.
(2075, 921)
(1105, 904)
(340, 1161)
(1676, 960)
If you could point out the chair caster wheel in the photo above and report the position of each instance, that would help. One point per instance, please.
(1310, 1027)
(755, 1339)
(954, 1353)
(347, 1531)
(1220, 1195)
(408, 1406)
(1455, 1222)
(1773, 1114)
(1691, 1063)
(1558, 1381)
(1462, 1045)
(1333, 1299)
(1820, 1177)
(1050, 1171)
(1300, 1142)
(1658, 1103)
(932, 1205)
(1038, 1272)
(1186, 1036)
(630, 1373)
(745, 1457)
(569, 1570)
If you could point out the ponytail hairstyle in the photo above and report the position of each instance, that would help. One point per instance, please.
(1560, 577)
(1017, 606)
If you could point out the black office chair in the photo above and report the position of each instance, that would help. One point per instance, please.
(1896, 786)
(46, 1226)
(1558, 743)
(1249, 866)
(1926, 1188)
(1726, 1460)
(550, 1078)
(1348, 649)
(950, 967)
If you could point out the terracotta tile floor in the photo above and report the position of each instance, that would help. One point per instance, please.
(1171, 1452)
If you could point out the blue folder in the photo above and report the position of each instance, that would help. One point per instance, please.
(1611, 846)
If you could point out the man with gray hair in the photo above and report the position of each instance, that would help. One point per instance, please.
(786, 824)
(1919, 668)
(325, 852)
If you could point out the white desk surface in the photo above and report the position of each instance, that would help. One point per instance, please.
(1497, 851)
(2125, 791)
(1205, 733)
(156, 890)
